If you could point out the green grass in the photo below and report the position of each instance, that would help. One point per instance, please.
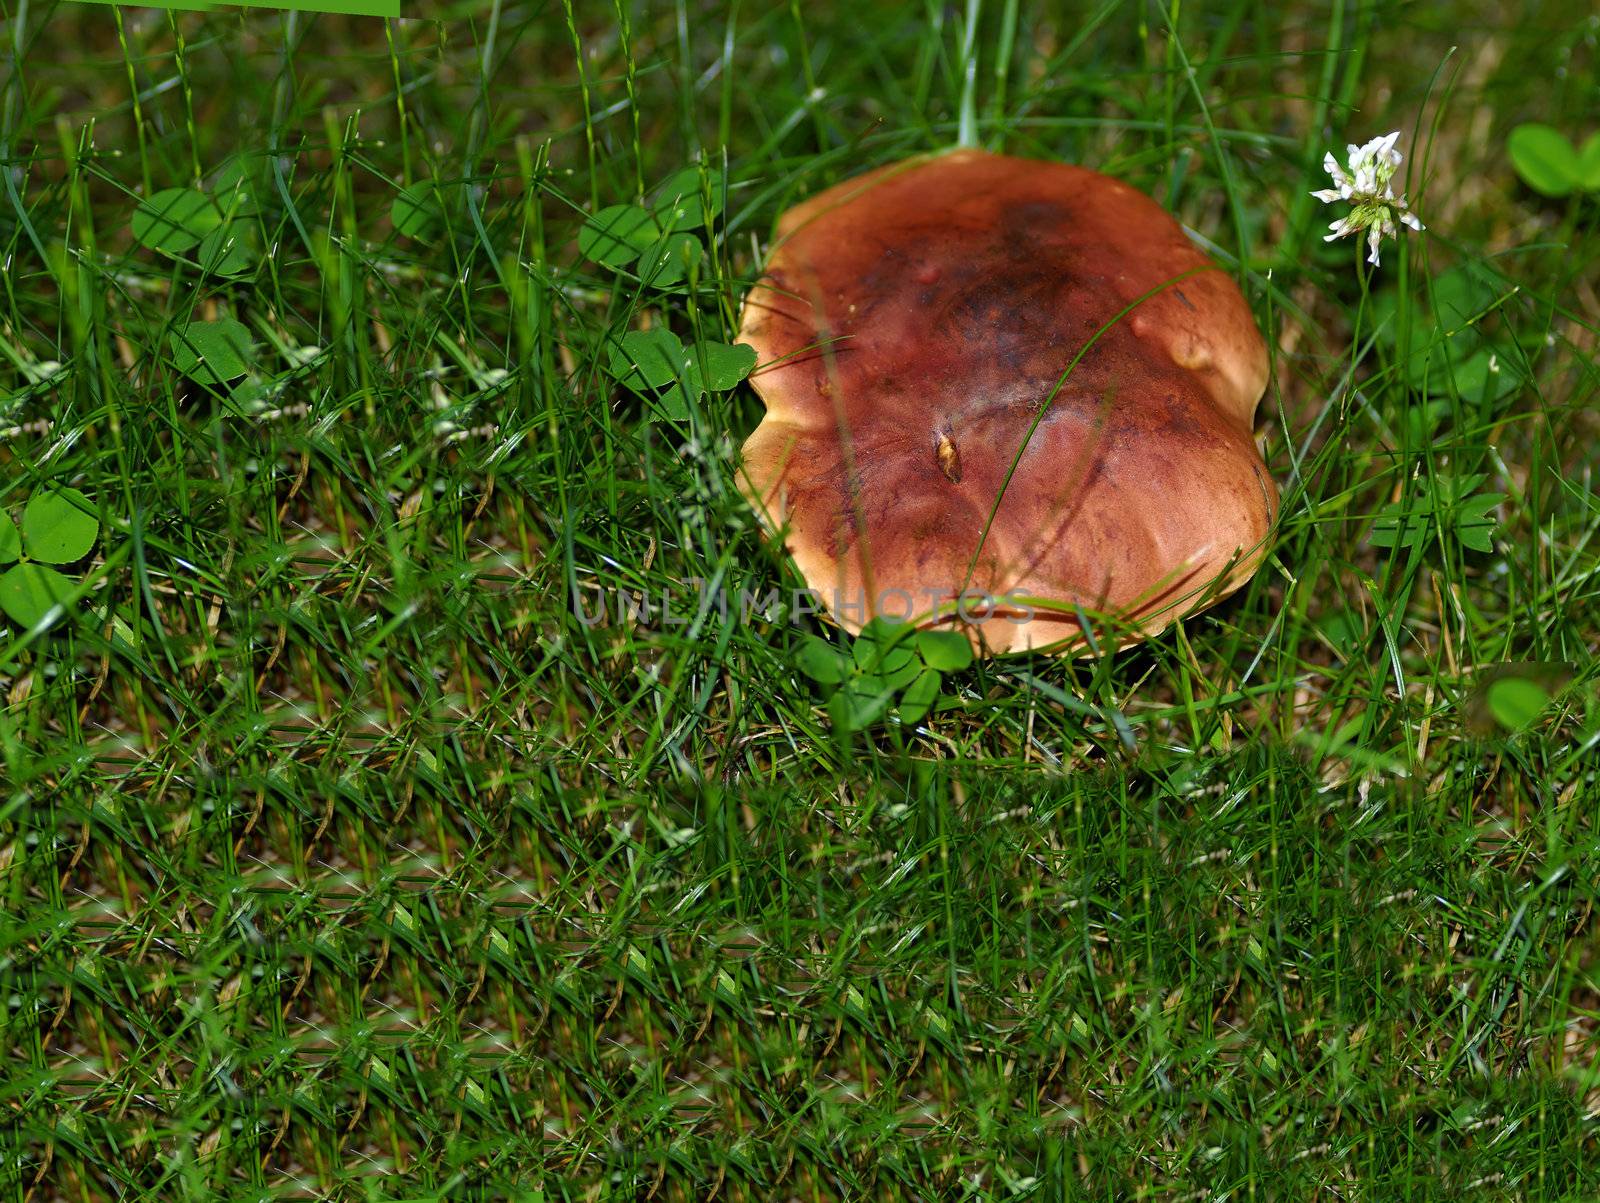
(339, 858)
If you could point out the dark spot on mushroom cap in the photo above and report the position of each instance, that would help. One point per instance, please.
(1181, 420)
(1030, 221)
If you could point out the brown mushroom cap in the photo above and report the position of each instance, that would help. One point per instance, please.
(917, 321)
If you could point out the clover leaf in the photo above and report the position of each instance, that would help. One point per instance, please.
(947, 651)
(174, 220)
(58, 527)
(920, 695)
(1589, 163)
(656, 361)
(617, 234)
(10, 540)
(1474, 522)
(890, 664)
(657, 240)
(860, 702)
(30, 591)
(681, 205)
(668, 261)
(655, 357)
(1516, 702)
(822, 662)
(723, 365)
(1451, 507)
(1544, 158)
(1550, 164)
(212, 352)
(177, 221)
(228, 250)
(417, 211)
(233, 188)
(881, 646)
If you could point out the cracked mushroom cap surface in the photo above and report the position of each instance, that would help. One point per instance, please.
(925, 443)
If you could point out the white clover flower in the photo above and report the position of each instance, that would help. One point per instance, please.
(1375, 207)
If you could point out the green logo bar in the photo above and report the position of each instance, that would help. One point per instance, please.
(357, 8)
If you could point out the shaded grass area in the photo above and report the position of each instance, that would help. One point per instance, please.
(337, 845)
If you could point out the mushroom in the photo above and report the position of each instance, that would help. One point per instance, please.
(1002, 394)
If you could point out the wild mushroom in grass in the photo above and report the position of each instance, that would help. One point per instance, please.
(1003, 394)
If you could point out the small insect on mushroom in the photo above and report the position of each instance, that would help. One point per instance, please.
(1086, 378)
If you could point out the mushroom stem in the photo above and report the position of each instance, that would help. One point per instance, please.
(967, 132)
